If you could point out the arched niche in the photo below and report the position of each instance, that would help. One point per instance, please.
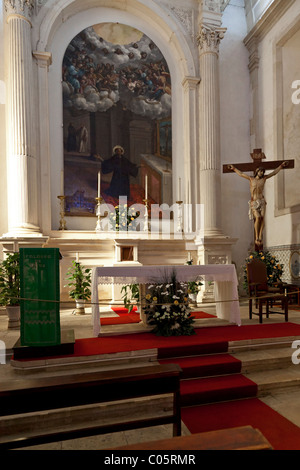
(59, 26)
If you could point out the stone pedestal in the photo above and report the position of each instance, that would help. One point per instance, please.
(213, 250)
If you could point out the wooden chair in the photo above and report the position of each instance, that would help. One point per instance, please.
(262, 294)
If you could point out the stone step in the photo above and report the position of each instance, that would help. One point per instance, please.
(265, 359)
(272, 382)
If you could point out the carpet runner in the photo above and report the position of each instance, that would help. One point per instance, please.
(124, 317)
(199, 343)
(279, 431)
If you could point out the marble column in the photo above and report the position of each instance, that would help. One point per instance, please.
(21, 148)
(210, 166)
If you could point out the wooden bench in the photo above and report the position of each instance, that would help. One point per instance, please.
(41, 394)
(240, 438)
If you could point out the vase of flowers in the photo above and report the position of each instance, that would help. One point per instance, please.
(167, 308)
(274, 268)
(123, 219)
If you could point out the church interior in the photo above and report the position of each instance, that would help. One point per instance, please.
(150, 226)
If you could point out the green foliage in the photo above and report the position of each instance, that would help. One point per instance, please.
(10, 280)
(167, 309)
(131, 292)
(123, 218)
(193, 286)
(79, 281)
(274, 268)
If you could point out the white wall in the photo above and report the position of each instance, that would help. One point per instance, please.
(282, 226)
(235, 138)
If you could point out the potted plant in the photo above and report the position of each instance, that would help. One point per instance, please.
(79, 285)
(10, 288)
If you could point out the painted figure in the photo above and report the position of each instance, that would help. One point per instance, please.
(122, 169)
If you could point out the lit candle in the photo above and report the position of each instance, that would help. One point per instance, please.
(179, 189)
(146, 186)
(61, 183)
(99, 179)
(77, 257)
(189, 256)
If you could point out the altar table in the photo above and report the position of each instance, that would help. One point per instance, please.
(223, 275)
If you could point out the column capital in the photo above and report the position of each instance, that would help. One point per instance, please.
(20, 8)
(209, 38)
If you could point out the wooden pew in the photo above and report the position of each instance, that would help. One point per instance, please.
(41, 394)
(240, 438)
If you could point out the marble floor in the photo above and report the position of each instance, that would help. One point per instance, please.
(285, 402)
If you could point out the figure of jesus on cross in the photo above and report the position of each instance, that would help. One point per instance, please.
(257, 204)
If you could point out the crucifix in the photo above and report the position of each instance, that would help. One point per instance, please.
(257, 204)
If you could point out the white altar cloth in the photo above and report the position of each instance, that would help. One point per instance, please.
(223, 275)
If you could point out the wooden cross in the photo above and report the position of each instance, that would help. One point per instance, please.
(258, 156)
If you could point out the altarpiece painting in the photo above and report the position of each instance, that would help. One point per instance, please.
(116, 92)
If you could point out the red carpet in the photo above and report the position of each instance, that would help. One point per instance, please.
(202, 339)
(122, 310)
(214, 389)
(279, 431)
(203, 366)
(125, 318)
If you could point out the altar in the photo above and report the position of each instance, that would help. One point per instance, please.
(222, 275)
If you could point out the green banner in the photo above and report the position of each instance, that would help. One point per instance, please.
(39, 289)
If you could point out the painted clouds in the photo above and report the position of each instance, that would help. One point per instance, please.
(97, 74)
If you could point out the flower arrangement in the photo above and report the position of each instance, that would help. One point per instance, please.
(274, 268)
(167, 309)
(123, 218)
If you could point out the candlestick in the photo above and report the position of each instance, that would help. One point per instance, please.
(179, 217)
(62, 222)
(99, 182)
(98, 214)
(146, 221)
